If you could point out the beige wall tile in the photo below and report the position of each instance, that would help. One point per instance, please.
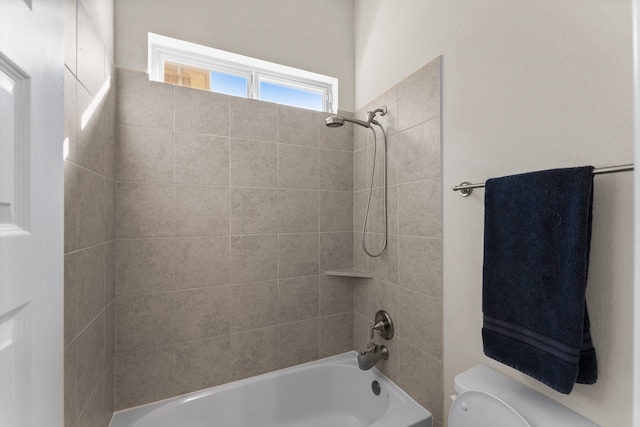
(336, 295)
(360, 258)
(144, 377)
(202, 261)
(361, 173)
(91, 221)
(109, 209)
(297, 167)
(361, 296)
(110, 143)
(90, 284)
(419, 96)
(419, 152)
(91, 133)
(70, 297)
(383, 296)
(202, 210)
(299, 342)
(144, 154)
(335, 170)
(297, 126)
(144, 321)
(336, 334)
(254, 352)
(90, 53)
(389, 120)
(253, 163)
(340, 138)
(420, 266)
(336, 211)
(70, 382)
(142, 102)
(109, 333)
(201, 111)
(90, 359)
(145, 265)
(109, 271)
(420, 322)
(298, 211)
(393, 160)
(421, 377)
(420, 208)
(254, 258)
(298, 255)
(202, 364)
(336, 251)
(254, 306)
(375, 221)
(71, 206)
(361, 328)
(201, 159)
(361, 137)
(386, 265)
(145, 210)
(109, 391)
(202, 313)
(91, 415)
(298, 298)
(71, 109)
(254, 210)
(251, 119)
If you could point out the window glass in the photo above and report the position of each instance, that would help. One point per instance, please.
(287, 95)
(229, 84)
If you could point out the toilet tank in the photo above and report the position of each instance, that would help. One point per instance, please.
(536, 408)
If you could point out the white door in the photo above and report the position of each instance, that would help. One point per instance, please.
(31, 212)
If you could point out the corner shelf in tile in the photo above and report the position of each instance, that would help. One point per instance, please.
(350, 272)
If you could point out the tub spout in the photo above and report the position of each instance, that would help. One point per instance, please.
(368, 359)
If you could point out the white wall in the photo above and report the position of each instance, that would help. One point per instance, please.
(307, 34)
(527, 85)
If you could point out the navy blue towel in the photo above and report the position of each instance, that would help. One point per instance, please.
(537, 232)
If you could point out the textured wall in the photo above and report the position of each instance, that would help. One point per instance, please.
(408, 276)
(228, 211)
(89, 205)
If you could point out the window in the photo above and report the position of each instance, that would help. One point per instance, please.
(192, 65)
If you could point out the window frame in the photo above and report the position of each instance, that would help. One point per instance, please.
(166, 49)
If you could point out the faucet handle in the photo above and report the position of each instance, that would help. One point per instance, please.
(383, 324)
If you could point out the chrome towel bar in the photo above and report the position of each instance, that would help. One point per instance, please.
(466, 188)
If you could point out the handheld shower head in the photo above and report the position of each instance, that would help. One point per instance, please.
(334, 121)
(337, 121)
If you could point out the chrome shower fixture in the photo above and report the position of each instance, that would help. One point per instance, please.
(337, 121)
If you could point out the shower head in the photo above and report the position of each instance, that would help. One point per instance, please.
(337, 121)
(334, 121)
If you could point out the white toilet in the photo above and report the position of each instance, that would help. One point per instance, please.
(487, 398)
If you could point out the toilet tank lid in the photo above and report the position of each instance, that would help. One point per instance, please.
(536, 408)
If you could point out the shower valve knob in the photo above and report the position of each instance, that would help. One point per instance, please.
(383, 324)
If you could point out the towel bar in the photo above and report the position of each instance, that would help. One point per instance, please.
(466, 188)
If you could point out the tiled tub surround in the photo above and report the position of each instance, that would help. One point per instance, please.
(228, 212)
(408, 276)
(89, 215)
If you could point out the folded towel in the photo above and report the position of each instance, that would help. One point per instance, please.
(536, 255)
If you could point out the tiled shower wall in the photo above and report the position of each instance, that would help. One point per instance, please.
(408, 276)
(89, 214)
(228, 213)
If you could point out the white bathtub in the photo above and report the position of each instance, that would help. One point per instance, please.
(326, 393)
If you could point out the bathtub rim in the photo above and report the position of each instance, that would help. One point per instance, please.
(127, 417)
